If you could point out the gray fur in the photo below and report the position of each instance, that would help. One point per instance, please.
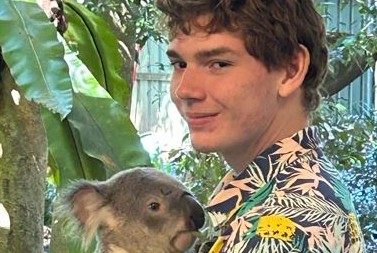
(137, 210)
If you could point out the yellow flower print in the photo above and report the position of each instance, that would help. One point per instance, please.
(353, 227)
(276, 226)
(216, 248)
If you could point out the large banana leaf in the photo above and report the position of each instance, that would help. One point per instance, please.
(97, 48)
(67, 159)
(105, 129)
(98, 138)
(34, 55)
(63, 154)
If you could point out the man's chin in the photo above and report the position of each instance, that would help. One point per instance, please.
(203, 148)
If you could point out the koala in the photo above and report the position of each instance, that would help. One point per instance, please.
(141, 210)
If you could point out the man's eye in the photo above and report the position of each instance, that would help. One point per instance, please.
(179, 65)
(220, 65)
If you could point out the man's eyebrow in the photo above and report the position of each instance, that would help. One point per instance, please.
(203, 54)
(172, 54)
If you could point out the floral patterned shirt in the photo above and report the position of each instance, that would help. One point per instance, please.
(289, 199)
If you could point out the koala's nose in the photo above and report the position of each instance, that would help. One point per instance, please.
(195, 209)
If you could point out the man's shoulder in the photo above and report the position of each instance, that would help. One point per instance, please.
(308, 210)
(315, 179)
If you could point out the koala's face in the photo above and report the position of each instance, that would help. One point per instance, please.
(143, 210)
(157, 204)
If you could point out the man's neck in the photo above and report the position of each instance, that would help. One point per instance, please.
(280, 128)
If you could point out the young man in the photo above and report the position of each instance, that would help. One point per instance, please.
(246, 76)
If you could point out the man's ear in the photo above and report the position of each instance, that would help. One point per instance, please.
(296, 71)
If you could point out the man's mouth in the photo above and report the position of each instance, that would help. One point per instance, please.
(195, 120)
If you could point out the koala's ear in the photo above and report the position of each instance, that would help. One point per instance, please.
(89, 207)
(85, 202)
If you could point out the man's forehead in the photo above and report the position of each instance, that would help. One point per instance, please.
(200, 41)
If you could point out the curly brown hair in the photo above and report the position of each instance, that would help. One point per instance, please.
(272, 31)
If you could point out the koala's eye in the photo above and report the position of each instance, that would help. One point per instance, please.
(154, 206)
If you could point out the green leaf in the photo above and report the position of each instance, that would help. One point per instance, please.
(63, 156)
(91, 168)
(256, 198)
(80, 39)
(97, 139)
(67, 160)
(34, 55)
(97, 48)
(106, 133)
(342, 193)
(255, 223)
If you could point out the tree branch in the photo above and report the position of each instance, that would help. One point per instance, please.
(344, 73)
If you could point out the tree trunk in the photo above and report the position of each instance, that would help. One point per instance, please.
(23, 163)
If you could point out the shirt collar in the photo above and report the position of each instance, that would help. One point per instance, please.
(234, 189)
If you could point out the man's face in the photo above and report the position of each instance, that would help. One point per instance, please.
(228, 98)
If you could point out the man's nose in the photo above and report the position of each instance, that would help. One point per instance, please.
(189, 86)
